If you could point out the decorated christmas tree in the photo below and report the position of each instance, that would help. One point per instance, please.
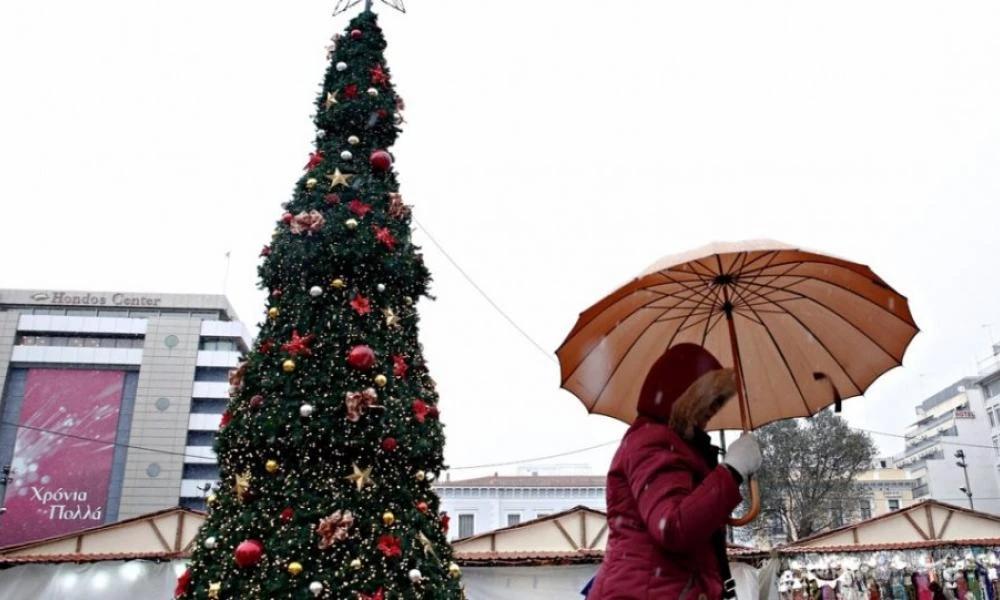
(331, 439)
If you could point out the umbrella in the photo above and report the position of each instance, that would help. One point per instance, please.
(801, 330)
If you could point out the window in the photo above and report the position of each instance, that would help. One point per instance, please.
(866, 511)
(542, 515)
(513, 519)
(993, 420)
(217, 344)
(212, 374)
(80, 341)
(466, 525)
(894, 504)
(996, 445)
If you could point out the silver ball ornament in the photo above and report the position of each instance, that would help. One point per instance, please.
(380, 287)
(341, 66)
(315, 291)
(416, 576)
(316, 588)
(346, 155)
(354, 140)
(373, 92)
(306, 410)
(211, 543)
(321, 133)
(397, 118)
(430, 476)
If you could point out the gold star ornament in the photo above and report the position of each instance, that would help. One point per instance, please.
(337, 178)
(242, 485)
(391, 318)
(361, 477)
(331, 100)
(214, 589)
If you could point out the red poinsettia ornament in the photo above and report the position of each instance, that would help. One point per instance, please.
(420, 410)
(385, 236)
(389, 444)
(226, 418)
(351, 91)
(361, 305)
(299, 345)
(378, 595)
(399, 366)
(359, 208)
(378, 75)
(315, 158)
(389, 546)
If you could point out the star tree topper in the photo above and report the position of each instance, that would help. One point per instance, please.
(343, 5)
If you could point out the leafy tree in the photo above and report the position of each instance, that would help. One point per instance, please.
(808, 480)
(331, 438)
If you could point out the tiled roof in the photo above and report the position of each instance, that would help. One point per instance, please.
(530, 481)
(88, 558)
(524, 558)
(887, 547)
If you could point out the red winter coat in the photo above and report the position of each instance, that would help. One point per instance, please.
(664, 503)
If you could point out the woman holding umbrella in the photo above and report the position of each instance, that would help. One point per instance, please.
(668, 496)
(796, 331)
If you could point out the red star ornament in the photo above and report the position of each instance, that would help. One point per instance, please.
(299, 345)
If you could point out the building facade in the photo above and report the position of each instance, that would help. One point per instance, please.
(887, 490)
(488, 503)
(110, 401)
(953, 429)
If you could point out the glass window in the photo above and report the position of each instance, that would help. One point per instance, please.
(212, 374)
(200, 438)
(513, 519)
(866, 511)
(894, 504)
(466, 525)
(542, 515)
(993, 421)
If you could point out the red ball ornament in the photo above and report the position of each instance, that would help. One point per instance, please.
(389, 444)
(361, 357)
(287, 515)
(287, 217)
(422, 507)
(355, 34)
(248, 553)
(380, 160)
(257, 401)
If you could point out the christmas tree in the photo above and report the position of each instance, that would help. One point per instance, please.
(331, 438)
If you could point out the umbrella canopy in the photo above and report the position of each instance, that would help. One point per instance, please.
(801, 329)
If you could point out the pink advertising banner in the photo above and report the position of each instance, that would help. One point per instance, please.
(62, 459)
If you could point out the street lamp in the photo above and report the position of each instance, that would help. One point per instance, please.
(967, 490)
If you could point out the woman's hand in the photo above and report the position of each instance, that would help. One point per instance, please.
(744, 456)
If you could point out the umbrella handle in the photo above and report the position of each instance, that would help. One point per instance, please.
(754, 507)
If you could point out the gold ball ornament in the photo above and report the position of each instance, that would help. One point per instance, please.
(388, 518)
(354, 140)
(356, 564)
(311, 183)
(272, 313)
(337, 284)
(212, 499)
(271, 466)
(454, 570)
(381, 380)
(288, 366)
(295, 568)
(421, 475)
(274, 234)
(351, 223)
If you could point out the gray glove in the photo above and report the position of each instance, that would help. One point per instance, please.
(744, 456)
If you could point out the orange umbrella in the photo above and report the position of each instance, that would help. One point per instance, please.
(801, 330)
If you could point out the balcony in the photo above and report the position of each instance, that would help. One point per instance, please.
(922, 491)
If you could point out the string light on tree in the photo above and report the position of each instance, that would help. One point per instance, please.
(323, 463)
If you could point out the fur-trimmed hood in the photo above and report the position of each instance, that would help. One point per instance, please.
(685, 388)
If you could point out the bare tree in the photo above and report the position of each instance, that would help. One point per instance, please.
(808, 480)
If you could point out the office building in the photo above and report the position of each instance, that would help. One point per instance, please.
(110, 401)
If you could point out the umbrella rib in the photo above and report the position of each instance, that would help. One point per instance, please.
(618, 365)
(802, 278)
(676, 317)
(820, 341)
(705, 295)
(709, 326)
(781, 353)
(818, 303)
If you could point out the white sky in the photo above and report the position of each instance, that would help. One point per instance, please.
(554, 149)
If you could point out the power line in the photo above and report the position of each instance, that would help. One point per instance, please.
(483, 293)
(100, 441)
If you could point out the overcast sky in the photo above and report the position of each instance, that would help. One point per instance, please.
(553, 148)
